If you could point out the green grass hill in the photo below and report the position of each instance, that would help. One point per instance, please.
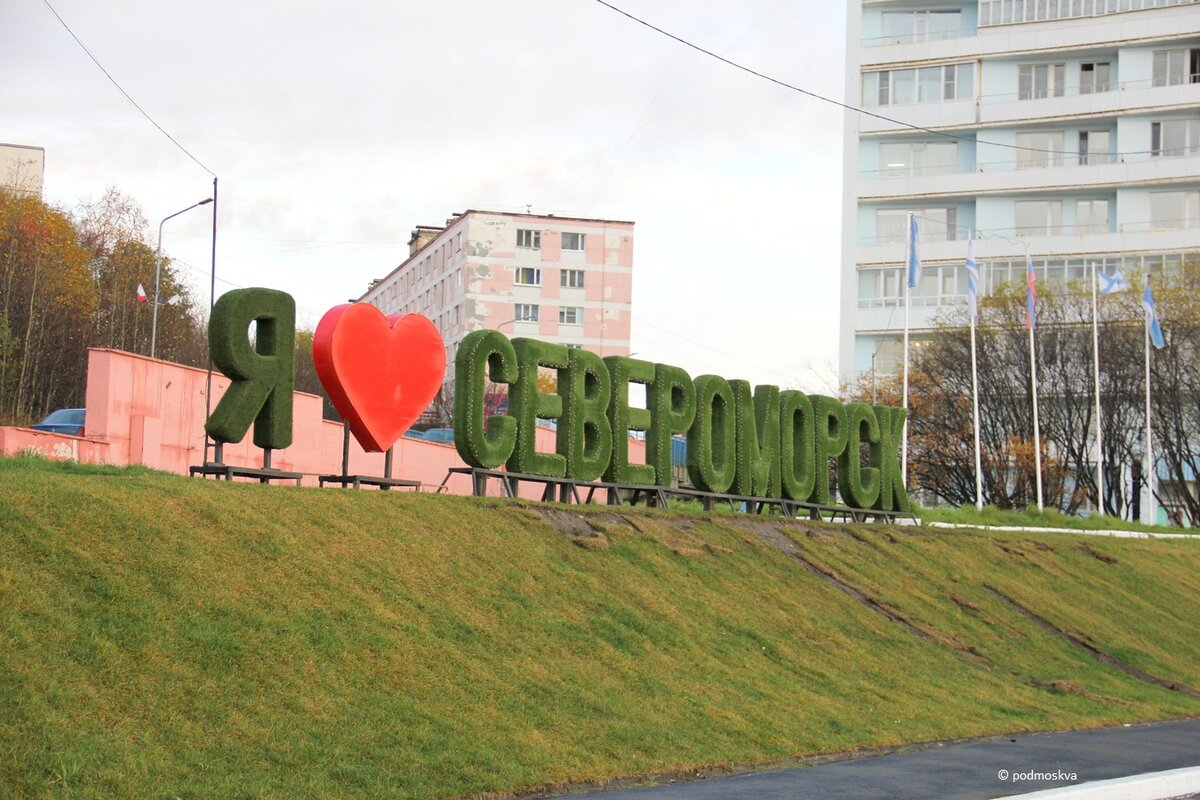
(162, 637)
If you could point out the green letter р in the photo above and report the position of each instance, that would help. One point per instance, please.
(672, 402)
(829, 442)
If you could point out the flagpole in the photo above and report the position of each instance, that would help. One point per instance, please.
(1096, 371)
(974, 290)
(1151, 516)
(975, 403)
(904, 399)
(1037, 436)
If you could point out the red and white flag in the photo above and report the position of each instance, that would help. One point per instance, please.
(141, 294)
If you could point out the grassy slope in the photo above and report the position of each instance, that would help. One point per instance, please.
(163, 637)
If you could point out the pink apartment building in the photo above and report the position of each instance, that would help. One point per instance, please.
(560, 279)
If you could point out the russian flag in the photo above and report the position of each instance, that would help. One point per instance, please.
(1030, 294)
(141, 294)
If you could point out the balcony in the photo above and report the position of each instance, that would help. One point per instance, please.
(994, 243)
(1009, 12)
(1004, 177)
(1123, 98)
(949, 114)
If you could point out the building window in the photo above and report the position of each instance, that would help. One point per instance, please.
(935, 224)
(571, 278)
(1175, 67)
(1175, 137)
(530, 240)
(572, 241)
(1095, 147)
(921, 25)
(1039, 149)
(925, 85)
(527, 276)
(1095, 76)
(939, 285)
(525, 312)
(1035, 81)
(1091, 216)
(1174, 210)
(570, 315)
(458, 241)
(1038, 217)
(903, 159)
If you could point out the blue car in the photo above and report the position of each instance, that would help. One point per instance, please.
(65, 420)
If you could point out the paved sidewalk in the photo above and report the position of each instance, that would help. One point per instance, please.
(973, 771)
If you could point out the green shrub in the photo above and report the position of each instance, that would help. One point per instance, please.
(796, 455)
(584, 432)
(712, 456)
(885, 456)
(859, 484)
(757, 440)
(527, 405)
(479, 352)
(623, 371)
(671, 399)
(829, 440)
(262, 374)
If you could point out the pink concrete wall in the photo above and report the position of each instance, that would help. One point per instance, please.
(14, 441)
(145, 411)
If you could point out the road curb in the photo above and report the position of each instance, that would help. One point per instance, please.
(1149, 786)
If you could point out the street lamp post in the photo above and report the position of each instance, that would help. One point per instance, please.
(158, 271)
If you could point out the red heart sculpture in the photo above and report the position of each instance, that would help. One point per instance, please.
(380, 372)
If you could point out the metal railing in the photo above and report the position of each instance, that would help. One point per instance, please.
(1008, 12)
(925, 36)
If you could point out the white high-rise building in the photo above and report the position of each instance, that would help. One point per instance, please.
(1074, 130)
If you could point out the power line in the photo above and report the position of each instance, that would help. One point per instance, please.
(821, 97)
(96, 61)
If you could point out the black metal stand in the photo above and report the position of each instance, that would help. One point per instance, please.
(346, 480)
(220, 470)
(567, 490)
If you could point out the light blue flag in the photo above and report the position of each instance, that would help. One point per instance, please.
(914, 254)
(1110, 284)
(1156, 335)
(972, 280)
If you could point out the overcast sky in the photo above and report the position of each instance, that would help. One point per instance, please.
(336, 128)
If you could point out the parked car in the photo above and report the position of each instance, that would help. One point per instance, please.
(64, 420)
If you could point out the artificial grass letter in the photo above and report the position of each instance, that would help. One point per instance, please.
(262, 374)
(859, 484)
(829, 416)
(711, 441)
(479, 352)
(672, 401)
(623, 419)
(526, 404)
(757, 440)
(796, 457)
(885, 456)
(584, 433)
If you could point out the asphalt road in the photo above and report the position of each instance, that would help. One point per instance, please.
(970, 771)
